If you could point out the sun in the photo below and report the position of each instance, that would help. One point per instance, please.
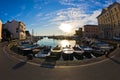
(65, 27)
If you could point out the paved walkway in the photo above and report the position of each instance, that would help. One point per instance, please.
(11, 69)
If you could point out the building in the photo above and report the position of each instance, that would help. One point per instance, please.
(109, 21)
(0, 30)
(90, 31)
(16, 28)
(79, 33)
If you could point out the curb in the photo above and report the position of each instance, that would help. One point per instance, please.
(60, 64)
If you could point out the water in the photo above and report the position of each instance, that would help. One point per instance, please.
(52, 42)
(63, 43)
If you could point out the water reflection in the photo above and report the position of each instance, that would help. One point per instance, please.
(53, 42)
(64, 43)
(67, 53)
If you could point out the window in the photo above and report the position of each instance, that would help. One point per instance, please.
(17, 30)
(115, 9)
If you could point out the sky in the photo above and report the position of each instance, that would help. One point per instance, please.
(53, 17)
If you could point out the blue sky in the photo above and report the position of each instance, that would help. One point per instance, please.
(46, 16)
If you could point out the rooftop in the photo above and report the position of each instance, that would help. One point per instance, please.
(108, 8)
(90, 25)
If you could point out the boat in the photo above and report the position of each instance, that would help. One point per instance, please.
(78, 52)
(78, 49)
(56, 51)
(67, 50)
(67, 53)
(42, 54)
(24, 43)
(29, 47)
(87, 51)
(87, 48)
(104, 47)
(97, 52)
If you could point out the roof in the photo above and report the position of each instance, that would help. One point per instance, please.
(108, 8)
(90, 25)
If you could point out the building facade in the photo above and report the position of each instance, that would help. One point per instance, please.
(90, 31)
(16, 28)
(109, 22)
(0, 30)
(79, 33)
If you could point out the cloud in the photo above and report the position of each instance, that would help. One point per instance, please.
(37, 6)
(19, 14)
(32, 24)
(108, 2)
(67, 2)
(75, 3)
(73, 16)
(89, 4)
(118, 0)
(39, 15)
(77, 13)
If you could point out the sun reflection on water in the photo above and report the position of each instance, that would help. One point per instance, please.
(64, 43)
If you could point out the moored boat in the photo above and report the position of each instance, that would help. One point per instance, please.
(78, 52)
(44, 53)
(67, 53)
(56, 49)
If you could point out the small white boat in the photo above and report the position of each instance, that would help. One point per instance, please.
(56, 49)
(67, 53)
(67, 50)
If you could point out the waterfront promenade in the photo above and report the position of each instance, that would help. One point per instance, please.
(12, 69)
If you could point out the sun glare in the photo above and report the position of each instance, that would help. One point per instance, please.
(65, 27)
(64, 43)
